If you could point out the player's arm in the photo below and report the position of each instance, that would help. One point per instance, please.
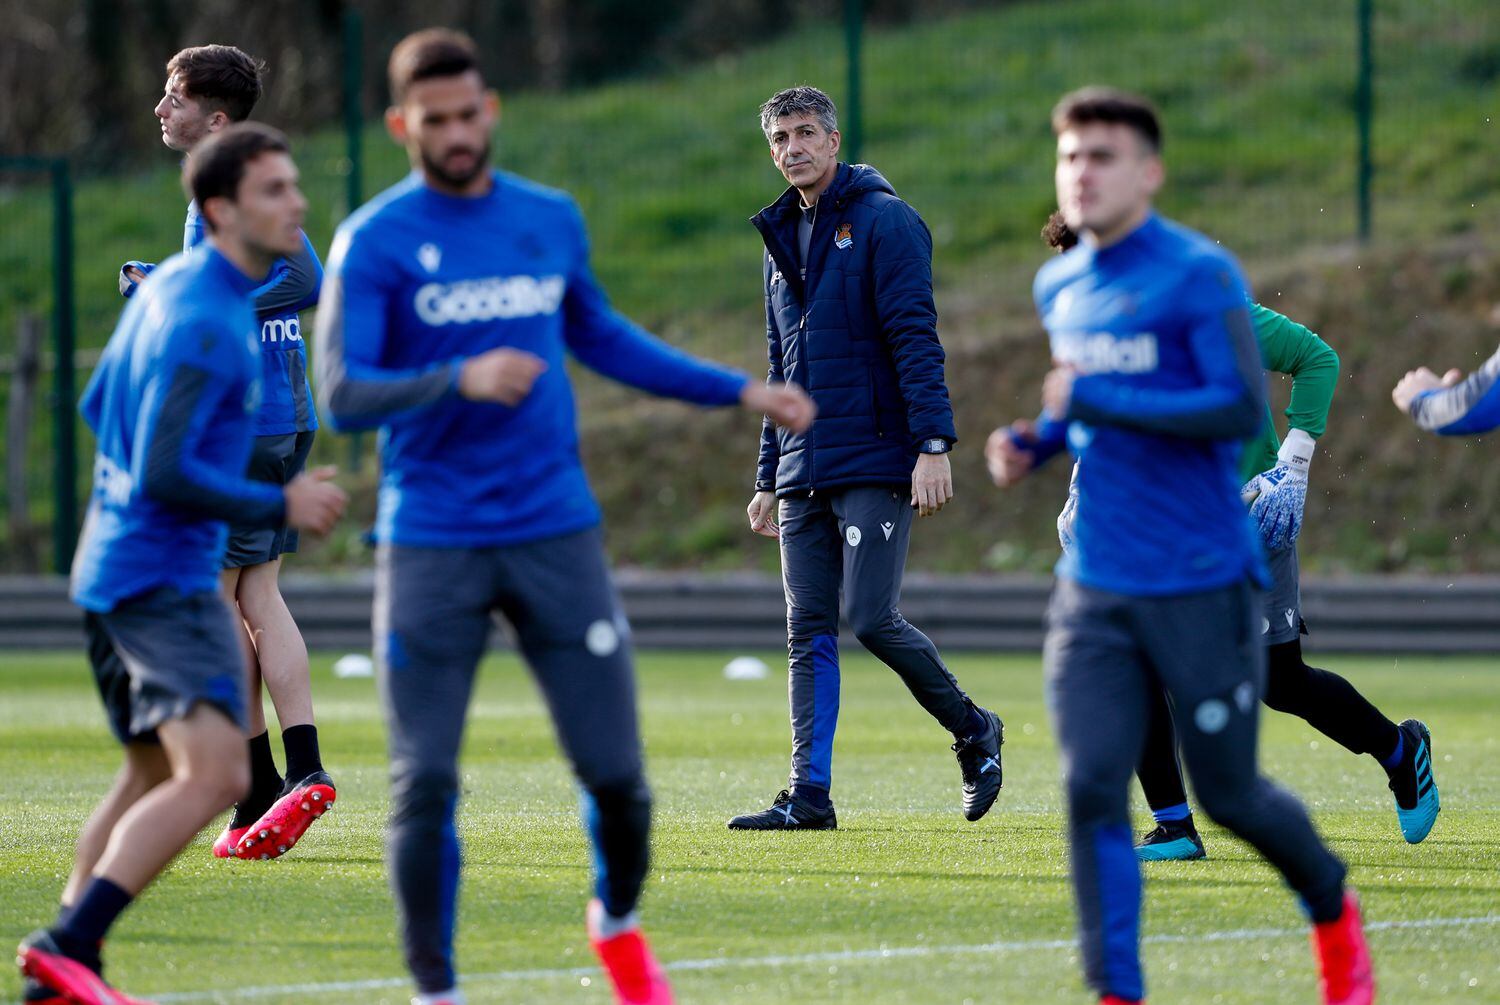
(1290, 348)
(901, 264)
(1044, 438)
(355, 391)
(178, 412)
(770, 448)
(293, 286)
(1278, 496)
(762, 508)
(1012, 452)
(1453, 405)
(132, 274)
(607, 342)
(1229, 401)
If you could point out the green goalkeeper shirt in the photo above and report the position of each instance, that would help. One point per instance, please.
(1289, 348)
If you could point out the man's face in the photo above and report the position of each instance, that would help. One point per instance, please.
(266, 213)
(445, 124)
(184, 121)
(803, 150)
(1106, 176)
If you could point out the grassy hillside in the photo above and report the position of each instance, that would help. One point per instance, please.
(1260, 149)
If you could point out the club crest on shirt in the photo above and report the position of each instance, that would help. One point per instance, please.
(844, 238)
(431, 256)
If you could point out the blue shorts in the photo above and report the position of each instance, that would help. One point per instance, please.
(158, 654)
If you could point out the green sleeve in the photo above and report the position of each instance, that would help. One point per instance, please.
(1289, 348)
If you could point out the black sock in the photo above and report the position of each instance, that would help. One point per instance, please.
(301, 746)
(1328, 702)
(89, 919)
(263, 774)
(265, 783)
(815, 796)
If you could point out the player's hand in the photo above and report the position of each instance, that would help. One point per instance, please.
(931, 483)
(1280, 494)
(313, 502)
(762, 513)
(500, 375)
(1069, 513)
(1057, 391)
(1006, 452)
(784, 404)
(1419, 381)
(131, 275)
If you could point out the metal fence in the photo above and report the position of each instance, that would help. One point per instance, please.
(748, 613)
(1291, 124)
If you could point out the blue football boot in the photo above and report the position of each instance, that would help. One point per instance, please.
(1413, 784)
(1171, 841)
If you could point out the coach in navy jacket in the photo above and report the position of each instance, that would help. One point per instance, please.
(860, 333)
(850, 317)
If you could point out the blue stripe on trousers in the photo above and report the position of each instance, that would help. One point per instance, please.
(825, 719)
(1119, 877)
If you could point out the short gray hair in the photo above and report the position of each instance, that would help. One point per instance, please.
(799, 100)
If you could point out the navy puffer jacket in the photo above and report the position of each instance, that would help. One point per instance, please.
(860, 336)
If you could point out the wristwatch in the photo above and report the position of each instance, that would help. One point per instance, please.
(936, 445)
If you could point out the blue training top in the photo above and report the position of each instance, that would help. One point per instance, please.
(171, 405)
(1170, 386)
(417, 282)
(286, 405)
(1469, 407)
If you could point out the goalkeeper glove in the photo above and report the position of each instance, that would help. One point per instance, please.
(1278, 496)
(1069, 514)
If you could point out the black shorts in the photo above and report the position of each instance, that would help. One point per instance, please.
(157, 655)
(277, 460)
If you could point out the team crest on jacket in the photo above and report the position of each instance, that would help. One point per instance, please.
(844, 239)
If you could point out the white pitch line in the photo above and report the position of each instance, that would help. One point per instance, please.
(834, 956)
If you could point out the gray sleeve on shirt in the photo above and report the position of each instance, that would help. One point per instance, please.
(356, 396)
(298, 283)
(173, 474)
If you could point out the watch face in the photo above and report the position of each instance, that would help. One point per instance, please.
(935, 446)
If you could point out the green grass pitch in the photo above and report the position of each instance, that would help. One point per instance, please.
(906, 903)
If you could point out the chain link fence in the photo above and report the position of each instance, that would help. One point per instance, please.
(1265, 107)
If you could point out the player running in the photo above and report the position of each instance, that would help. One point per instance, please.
(451, 305)
(1158, 381)
(170, 404)
(208, 87)
(1275, 477)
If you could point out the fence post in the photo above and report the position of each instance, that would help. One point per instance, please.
(354, 124)
(65, 476)
(23, 384)
(1364, 110)
(854, 17)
